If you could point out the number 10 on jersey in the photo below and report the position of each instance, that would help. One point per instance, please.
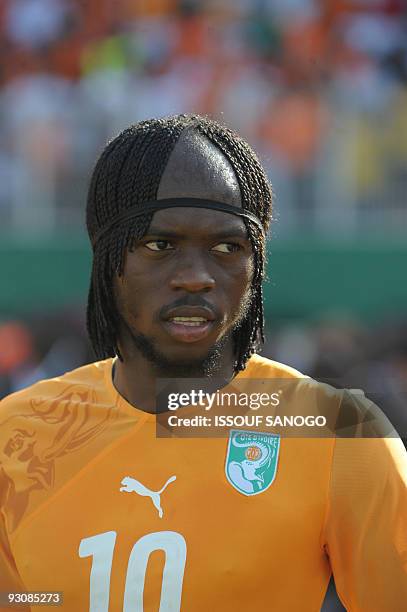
(101, 548)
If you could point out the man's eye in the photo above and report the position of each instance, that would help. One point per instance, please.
(158, 245)
(226, 247)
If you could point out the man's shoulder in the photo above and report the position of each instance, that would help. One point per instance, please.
(351, 414)
(79, 382)
(262, 367)
(296, 384)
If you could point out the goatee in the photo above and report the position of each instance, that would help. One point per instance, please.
(207, 366)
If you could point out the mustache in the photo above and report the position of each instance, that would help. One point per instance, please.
(191, 300)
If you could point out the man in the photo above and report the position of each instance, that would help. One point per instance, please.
(91, 498)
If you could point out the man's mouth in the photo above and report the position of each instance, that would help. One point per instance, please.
(188, 331)
(189, 324)
(189, 321)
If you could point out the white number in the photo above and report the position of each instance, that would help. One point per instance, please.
(173, 544)
(101, 547)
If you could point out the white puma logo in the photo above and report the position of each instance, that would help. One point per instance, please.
(131, 484)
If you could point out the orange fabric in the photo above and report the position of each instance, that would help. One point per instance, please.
(66, 445)
(16, 345)
(65, 57)
(306, 43)
(193, 37)
(143, 8)
(295, 125)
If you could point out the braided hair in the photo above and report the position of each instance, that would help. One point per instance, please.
(127, 174)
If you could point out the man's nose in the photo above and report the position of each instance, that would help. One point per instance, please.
(193, 276)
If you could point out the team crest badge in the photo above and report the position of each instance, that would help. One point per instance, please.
(251, 460)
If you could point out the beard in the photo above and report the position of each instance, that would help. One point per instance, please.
(202, 367)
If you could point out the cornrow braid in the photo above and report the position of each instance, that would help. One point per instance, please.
(127, 174)
(256, 197)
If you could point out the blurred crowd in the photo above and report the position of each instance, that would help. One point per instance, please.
(340, 352)
(319, 87)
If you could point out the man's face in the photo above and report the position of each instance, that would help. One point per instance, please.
(186, 285)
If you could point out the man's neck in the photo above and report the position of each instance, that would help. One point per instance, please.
(135, 378)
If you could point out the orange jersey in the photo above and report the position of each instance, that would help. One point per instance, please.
(93, 504)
